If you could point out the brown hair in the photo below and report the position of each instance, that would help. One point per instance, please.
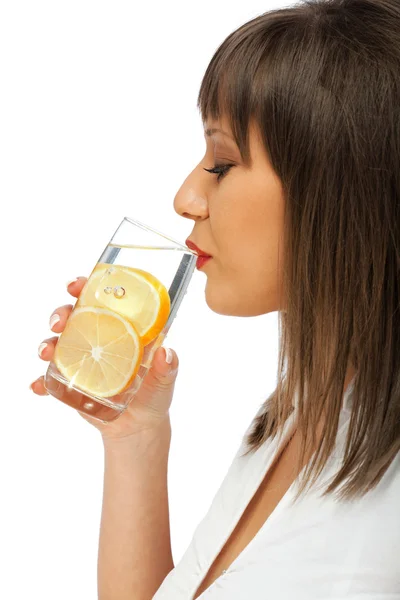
(321, 79)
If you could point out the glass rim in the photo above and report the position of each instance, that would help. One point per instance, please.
(166, 237)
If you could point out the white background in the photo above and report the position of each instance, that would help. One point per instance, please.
(98, 120)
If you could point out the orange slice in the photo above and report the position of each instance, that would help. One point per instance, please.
(134, 294)
(99, 351)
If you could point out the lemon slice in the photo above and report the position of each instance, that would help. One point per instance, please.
(99, 351)
(90, 287)
(136, 295)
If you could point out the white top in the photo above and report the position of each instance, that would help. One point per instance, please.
(319, 548)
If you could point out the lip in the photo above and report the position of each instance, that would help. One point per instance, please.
(193, 246)
(202, 260)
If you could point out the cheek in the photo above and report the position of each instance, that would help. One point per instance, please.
(247, 281)
(253, 247)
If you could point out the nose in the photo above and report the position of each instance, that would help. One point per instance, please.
(190, 201)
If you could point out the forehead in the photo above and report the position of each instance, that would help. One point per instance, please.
(215, 126)
(222, 124)
(220, 130)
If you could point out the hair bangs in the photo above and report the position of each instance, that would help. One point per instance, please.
(229, 87)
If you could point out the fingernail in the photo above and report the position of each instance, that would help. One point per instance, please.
(168, 355)
(70, 282)
(54, 319)
(41, 348)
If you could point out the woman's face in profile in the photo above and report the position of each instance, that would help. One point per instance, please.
(238, 221)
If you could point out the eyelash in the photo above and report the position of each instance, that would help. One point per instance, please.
(220, 170)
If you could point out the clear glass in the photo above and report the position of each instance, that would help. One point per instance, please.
(121, 317)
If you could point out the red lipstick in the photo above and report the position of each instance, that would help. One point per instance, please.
(193, 246)
(203, 256)
(202, 260)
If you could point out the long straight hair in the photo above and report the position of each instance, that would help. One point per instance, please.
(321, 79)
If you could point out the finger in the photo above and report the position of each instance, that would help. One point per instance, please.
(38, 388)
(161, 366)
(75, 286)
(59, 318)
(46, 348)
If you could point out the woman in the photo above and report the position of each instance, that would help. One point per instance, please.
(297, 200)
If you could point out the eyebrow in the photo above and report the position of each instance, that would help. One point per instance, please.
(209, 132)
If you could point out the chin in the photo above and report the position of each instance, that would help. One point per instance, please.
(231, 304)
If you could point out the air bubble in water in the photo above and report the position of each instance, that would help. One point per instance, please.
(110, 271)
(108, 290)
(119, 292)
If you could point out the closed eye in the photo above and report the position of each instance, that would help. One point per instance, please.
(220, 170)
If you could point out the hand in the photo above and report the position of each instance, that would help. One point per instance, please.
(150, 406)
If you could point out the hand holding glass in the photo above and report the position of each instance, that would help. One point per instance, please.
(121, 317)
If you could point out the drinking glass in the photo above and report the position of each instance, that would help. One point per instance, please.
(121, 317)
